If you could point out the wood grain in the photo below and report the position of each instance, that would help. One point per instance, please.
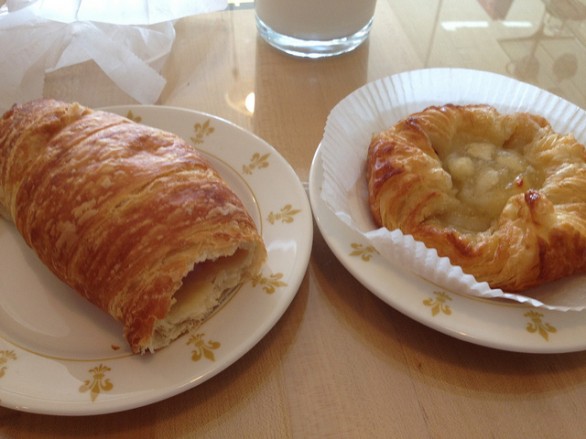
(340, 363)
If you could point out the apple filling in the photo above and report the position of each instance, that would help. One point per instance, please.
(484, 177)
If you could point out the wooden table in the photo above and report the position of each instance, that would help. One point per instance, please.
(340, 362)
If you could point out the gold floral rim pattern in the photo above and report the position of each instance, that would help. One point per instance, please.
(203, 349)
(487, 322)
(5, 357)
(438, 303)
(96, 383)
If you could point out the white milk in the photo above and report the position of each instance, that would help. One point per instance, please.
(314, 20)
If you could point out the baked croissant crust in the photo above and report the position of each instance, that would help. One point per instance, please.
(501, 195)
(131, 217)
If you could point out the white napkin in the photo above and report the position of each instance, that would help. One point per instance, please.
(124, 38)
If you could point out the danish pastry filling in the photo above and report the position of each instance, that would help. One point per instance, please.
(484, 177)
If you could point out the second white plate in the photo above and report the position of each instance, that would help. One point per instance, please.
(498, 324)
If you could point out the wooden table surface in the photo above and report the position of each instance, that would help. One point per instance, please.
(341, 363)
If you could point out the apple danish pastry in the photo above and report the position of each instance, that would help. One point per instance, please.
(131, 217)
(501, 195)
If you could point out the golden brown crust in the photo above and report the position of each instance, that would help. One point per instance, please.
(522, 224)
(119, 211)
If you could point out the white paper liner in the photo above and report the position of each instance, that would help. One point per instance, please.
(380, 104)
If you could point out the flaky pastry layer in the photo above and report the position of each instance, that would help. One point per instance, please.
(123, 213)
(502, 195)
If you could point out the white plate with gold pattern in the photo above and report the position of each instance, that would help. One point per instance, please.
(498, 324)
(61, 355)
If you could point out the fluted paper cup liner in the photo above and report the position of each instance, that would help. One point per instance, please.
(379, 105)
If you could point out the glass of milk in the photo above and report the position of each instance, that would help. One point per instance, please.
(314, 28)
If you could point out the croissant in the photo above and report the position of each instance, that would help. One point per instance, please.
(131, 217)
(501, 195)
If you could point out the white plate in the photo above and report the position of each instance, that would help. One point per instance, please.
(498, 324)
(61, 355)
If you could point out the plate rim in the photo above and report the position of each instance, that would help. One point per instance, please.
(325, 218)
(304, 241)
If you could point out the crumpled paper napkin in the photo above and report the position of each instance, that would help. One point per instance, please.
(126, 39)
